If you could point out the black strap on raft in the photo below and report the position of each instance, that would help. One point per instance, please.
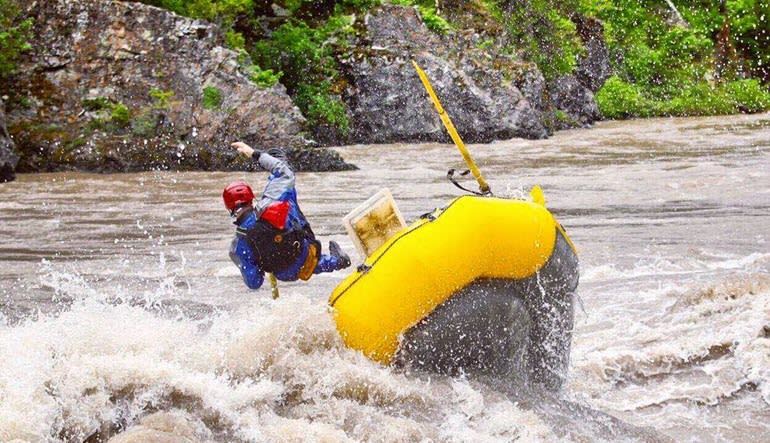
(450, 175)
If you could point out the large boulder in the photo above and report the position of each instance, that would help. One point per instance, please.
(8, 158)
(114, 86)
(594, 66)
(575, 103)
(388, 103)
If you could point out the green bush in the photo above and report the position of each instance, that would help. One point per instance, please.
(264, 78)
(749, 20)
(120, 114)
(235, 40)
(321, 107)
(749, 95)
(668, 69)
(700, 99)
(433, 21)
(304, 62)
(109, 115)
(14, 36)
(618, 99)
(212, 98)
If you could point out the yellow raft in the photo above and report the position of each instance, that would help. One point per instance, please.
(425, 264)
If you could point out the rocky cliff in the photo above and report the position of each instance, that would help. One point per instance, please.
(8, 157)
(122, 86)
(488, 94)
(114, 86)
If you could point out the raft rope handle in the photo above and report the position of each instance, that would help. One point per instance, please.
(450, 127)
(450, 175)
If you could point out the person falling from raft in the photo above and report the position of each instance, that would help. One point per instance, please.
(273, 235)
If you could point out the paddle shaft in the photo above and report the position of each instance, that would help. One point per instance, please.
(450, 127)
(274, 285)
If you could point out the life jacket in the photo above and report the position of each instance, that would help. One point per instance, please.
(276, 246)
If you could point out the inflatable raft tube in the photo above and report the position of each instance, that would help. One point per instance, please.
(502, 271)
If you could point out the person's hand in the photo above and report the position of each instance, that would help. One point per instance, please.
(243, 148)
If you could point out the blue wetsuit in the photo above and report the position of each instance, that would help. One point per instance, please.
(280, 188)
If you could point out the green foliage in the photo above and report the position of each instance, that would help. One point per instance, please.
(750, 26)
(264, 78)
(619, 99)
(360, 5)
(212, 98)
(699, 99)
(651, 52)
(433, 21)
(750, 95)
(542, 32)
(486, 43)
(321, 107)
(430, 16)
(14, 36)
(235, 40)
(294, 49)
(162, 98)
(304, 62)
(120, 114)
(564, 118)
(212, 10)
(109, 115)
(669, 69)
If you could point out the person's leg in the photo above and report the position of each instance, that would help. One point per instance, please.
(327, 263)
(336, 260)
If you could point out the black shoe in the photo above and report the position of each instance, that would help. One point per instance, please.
(343, 261)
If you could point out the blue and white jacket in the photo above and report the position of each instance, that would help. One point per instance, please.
(280, 188)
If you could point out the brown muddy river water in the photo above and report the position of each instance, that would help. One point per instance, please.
(117, 298)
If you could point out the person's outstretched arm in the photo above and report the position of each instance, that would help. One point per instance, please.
(283, 177)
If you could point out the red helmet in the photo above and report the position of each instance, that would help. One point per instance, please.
(237, 194)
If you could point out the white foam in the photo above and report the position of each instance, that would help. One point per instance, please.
(267, 370)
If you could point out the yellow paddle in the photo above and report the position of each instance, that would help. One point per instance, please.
(273, 284)
(483, 186)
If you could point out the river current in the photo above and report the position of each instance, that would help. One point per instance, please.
(117, 299)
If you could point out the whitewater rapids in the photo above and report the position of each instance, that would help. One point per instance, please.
(121, 316)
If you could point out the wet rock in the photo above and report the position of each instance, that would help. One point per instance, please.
(532, 84)
(594, 67)
(388, 103)
(311, 159)
(8, 158)
(165, 427)
(122, 86)
(575, 103)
